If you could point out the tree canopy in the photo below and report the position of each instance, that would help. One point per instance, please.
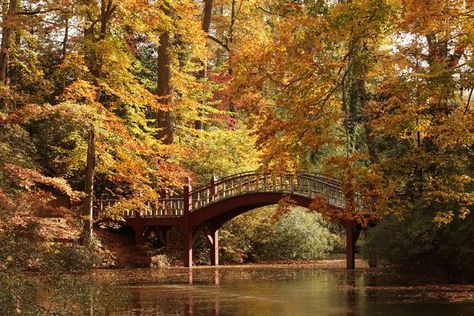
(375, 92)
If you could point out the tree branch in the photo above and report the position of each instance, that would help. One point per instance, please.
(218, 41)
(38, 11)
(468, 101)
(270, 13)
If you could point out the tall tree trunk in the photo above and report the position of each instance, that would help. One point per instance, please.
(65, 38)
(233, 19)
(6, 39)
(206, 26)
(106, 11)
(93, 35)
(87, 211)
(164, 117)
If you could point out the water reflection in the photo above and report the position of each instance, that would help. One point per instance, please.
(215, 280)
(246, 292)
(278, 291)
(253, 291)
(351, 293)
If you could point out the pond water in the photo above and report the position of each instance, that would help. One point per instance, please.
(273, 290)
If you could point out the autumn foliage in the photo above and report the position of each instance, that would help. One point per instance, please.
(377, 93)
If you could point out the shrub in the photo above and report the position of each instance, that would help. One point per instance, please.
(418, 244)
(298, 235)
(72, 257)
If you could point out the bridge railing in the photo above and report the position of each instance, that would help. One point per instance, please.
(249, 182)
(306, 185)
(164, 207)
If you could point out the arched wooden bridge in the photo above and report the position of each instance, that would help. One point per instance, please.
(209, 207)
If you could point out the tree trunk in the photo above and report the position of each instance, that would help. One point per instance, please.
(6, 39)
(206, 25)
(65, 38)
(106, 11)
(93, 35)
(164, 117)
(229, 44)
(89, 187)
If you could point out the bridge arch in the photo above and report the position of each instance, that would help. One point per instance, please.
(218, 213)
(210, 206)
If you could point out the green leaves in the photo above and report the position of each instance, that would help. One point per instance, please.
(297, 235)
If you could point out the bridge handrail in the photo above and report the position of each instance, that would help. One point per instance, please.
(304, 184)
(331, 181)
(254, 181)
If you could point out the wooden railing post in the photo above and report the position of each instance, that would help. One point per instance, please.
(292, 185)
(212, 189)
(163, 209)
(188, 199)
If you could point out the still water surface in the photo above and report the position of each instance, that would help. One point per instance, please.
(278, 290)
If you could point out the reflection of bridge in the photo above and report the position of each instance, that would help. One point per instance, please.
(209, 207)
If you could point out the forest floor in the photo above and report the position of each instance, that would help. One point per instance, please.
(115, 249)
(123, 250)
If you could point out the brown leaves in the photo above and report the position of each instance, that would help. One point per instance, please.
(283, 208)
(22, 206)
(28, 179)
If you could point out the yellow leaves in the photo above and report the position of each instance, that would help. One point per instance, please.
(79, 113)
(453, 131)
(80, 91)
(73, 63)
(464, 212)
(423, 17)
(443, 218)
(220, 153)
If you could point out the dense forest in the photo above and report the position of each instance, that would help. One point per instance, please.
(377, 93)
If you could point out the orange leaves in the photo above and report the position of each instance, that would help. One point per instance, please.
(79, 113)
(28, 178)
(320, 204)
(80, 91)
(423, 17)
(283, 208)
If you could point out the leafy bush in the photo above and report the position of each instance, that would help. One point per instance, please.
(418, 244)
(71, 257)
(23, 249)
(298, 235)
(17, 294)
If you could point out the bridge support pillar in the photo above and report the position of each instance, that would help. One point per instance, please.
(188, 247)
(139, 238)
(212, 235)
(188, 226)
(214, 238)
(167, 239)
(352, 234)
(372, 260)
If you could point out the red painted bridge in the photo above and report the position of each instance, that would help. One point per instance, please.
(209, 207)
